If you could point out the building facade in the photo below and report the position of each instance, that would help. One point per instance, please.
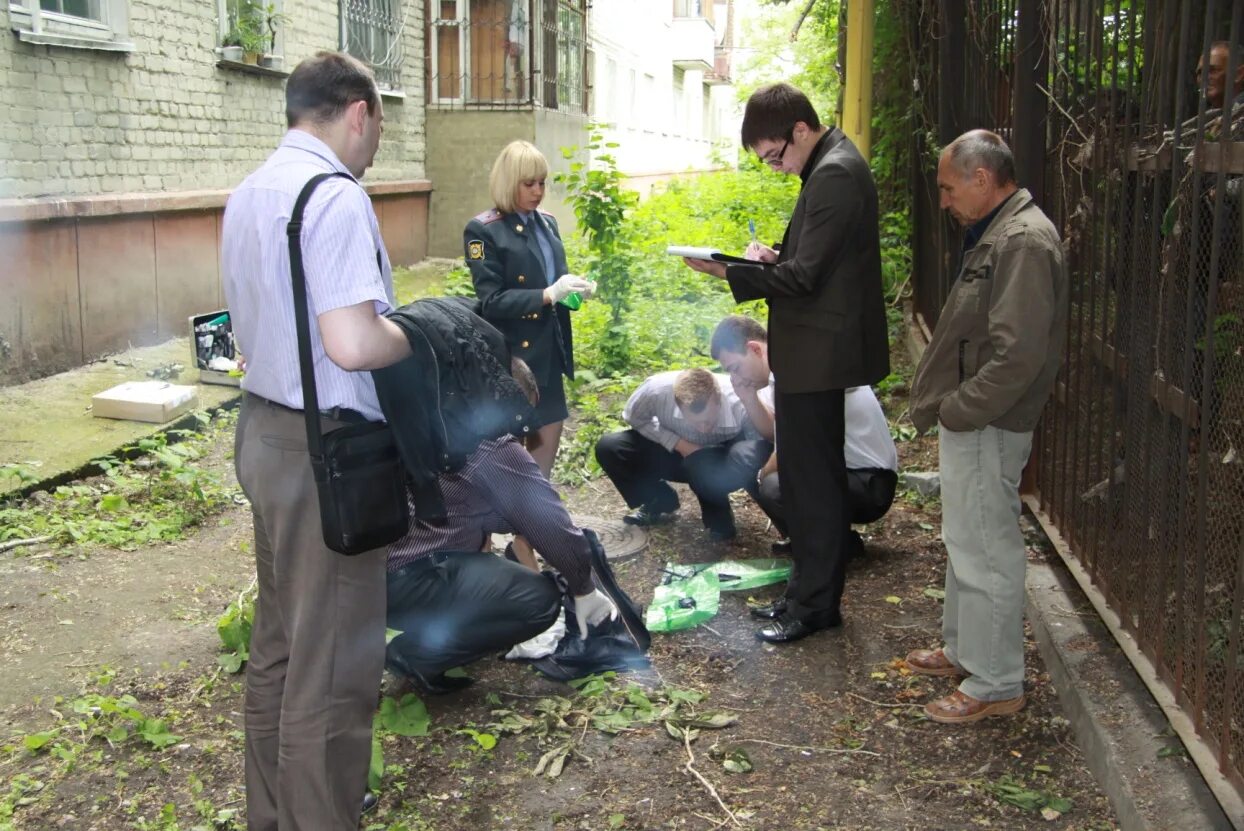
(500, 70)
(128, 123)
(661, 86)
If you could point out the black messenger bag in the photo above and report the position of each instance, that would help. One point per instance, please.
(359, 475)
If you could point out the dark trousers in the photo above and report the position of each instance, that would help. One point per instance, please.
(814, 496)
(870, 492)
(317, 645)
(641, 469)
(455, 607)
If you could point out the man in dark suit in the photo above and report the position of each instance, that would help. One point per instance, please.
(827, 332)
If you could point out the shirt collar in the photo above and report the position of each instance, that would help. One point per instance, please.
(302, 140)
(815, 154)
(977, 229)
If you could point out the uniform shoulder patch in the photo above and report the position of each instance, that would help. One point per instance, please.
(475, 249)
(490, 215)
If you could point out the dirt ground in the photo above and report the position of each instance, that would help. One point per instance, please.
(831, 725)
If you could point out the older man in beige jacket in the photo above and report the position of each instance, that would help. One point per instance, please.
(984, 379)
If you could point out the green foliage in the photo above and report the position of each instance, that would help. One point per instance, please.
(671, 310)
(558, 724)
(600, 205)
(23, 791)
(13, 476)
(405, 717)
(152, 498)
(1013, 791)
(113, 719)
(234, 629)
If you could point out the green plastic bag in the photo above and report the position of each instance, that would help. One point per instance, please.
(683, 601)
(749, 574)
(735, 575)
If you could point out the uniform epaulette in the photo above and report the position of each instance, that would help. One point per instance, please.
(490, 215)
(546, 213)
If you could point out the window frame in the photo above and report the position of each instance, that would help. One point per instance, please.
(109, 33)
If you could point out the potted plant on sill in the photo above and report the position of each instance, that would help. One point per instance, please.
(231, 46)
(252, 36)
(273, 20)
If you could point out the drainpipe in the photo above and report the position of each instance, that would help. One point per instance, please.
(857, 105)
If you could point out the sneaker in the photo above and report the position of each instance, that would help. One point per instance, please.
(643, 516)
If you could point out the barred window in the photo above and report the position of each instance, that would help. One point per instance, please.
(508, 53)
(371, 30)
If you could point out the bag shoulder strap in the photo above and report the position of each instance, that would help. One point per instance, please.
(310, 405)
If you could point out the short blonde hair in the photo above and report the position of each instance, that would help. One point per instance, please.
(518, 162)
(695, 389)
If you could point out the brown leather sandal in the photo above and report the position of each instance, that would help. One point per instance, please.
(959, 708)
(932, 662)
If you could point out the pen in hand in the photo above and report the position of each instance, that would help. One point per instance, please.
(751, 227)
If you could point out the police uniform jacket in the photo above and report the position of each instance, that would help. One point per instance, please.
(507, 267)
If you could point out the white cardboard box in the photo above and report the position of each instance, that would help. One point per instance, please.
(154, 401)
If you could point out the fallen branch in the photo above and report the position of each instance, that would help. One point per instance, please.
(879, 704)
(11, 544)
(810, 748)
(690, 768)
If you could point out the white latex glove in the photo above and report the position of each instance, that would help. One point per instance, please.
(566, 284)
(592, 609)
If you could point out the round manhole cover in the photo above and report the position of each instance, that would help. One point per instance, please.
(620, 540)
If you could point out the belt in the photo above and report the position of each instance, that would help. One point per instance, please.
(342, 414)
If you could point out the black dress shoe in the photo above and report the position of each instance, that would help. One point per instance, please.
(643, 516)
(370, 801)
(769, 611)
(438, 684)
(789, 628)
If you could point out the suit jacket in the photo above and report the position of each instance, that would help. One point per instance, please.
(827, 324)
(507, 268)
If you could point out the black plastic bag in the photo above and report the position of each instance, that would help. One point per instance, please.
(620, 644)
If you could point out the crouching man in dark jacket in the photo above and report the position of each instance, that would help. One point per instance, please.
(453, 600)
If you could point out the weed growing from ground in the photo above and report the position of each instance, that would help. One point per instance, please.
(151, 492)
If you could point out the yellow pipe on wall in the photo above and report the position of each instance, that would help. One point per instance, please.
(857, 102)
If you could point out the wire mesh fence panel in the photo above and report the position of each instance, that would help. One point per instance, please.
(1139, 459)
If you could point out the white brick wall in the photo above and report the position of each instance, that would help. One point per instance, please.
(164, 117)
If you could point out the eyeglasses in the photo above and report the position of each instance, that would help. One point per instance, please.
(776, 161)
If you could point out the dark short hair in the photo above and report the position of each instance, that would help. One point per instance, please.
(526, 379)
(772, 112)
(733, 333)
(322, 86)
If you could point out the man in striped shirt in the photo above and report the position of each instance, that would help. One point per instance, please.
(686, 426)
(317, 646)
(453, 600)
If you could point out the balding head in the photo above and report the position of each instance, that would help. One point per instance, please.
(1220, 59)
(975, 174)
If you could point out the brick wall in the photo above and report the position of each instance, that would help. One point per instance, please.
(164, 117)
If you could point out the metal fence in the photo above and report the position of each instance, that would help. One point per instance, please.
(1139, 459)
(508, 54)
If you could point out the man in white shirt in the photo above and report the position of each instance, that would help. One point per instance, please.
(740, 345)
(686, 426)
(317, 647)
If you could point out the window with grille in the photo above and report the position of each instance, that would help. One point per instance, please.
(371, 30)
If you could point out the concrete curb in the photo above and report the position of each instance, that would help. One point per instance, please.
(1118, 724)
